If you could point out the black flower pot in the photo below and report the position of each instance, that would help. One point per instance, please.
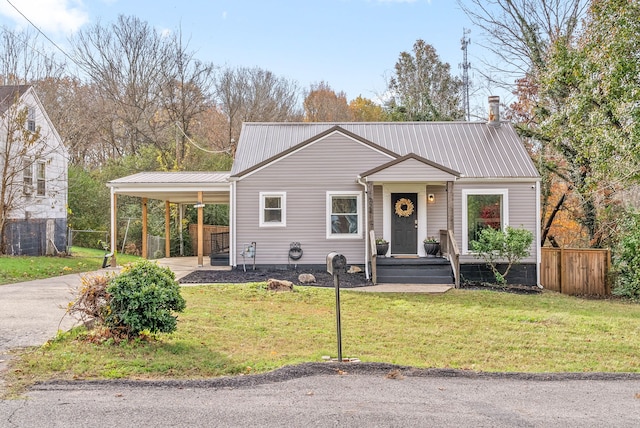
(432, 248)
(381, 249)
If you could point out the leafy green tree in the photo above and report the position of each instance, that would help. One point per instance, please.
(626, 259)
(422, 87)
(591, 116)
(497, 246)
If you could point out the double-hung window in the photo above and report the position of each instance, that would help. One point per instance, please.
(41, 178)
(273, 209)
(482, 209)
(344, 215)
(27, 177)
(31, 119)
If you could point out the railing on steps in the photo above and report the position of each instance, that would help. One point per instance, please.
(449, 249)
(373, 255)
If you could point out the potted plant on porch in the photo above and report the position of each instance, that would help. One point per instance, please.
(382, 246)
(431, 246)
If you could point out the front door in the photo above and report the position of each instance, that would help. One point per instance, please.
(404, 223)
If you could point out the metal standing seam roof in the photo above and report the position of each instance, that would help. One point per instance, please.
(474, 149)
(9, 94)
(184, 177)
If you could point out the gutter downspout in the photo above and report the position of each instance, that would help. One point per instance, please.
(366, 225)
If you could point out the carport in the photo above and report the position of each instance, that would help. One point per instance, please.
(192, 188)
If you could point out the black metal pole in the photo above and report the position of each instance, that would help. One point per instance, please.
(336, 283)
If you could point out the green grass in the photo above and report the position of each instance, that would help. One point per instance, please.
(24, 268)
(233, 329)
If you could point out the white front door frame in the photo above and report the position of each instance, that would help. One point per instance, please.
(421, 190)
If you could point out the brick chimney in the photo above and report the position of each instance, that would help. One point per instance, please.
(494, 111)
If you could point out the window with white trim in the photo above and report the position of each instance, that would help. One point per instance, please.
(273, 209)
(41, 178)
(27, 178)
(482, 209)
(344, 218)
(31, 119)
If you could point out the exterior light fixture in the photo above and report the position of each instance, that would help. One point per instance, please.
(431, 198)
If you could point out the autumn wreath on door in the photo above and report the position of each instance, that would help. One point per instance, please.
(404, 207)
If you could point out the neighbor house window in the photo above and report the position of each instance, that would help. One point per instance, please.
(31, 119)
(41, 178)
(27, 178)
(344, 218)
(483, 208)
(273, 211)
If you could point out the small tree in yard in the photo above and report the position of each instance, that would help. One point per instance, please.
(142, 298)
(496, 246)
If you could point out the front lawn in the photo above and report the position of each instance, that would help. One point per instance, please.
(233, 329)
(25, 268)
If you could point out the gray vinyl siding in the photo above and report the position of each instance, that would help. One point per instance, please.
(522, 211)
(410, 170)
(437, 211)
(331, 164)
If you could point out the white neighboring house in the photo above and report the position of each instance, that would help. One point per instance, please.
(33, 174)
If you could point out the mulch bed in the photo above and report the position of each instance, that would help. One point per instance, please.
(238, 276)
(509, 288)
(323, 279)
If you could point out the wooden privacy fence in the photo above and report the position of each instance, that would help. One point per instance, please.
(576, 271)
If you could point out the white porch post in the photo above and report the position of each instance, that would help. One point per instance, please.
(114, 218)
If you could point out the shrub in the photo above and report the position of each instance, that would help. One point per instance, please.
(626, 259)
(92, 302)
(496, 246)
(142, 298)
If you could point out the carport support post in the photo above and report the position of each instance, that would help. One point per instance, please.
(114, 226)
(145, 254)
(200, 230)
(167, 229)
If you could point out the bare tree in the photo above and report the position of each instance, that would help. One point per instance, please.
(519, 32)
(125, 60)
(187, 91)
(23, 60)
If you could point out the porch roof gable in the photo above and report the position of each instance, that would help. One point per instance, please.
(410, 167)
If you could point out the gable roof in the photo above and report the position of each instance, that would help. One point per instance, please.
(415, 157)
(9, 94)
(473, 149)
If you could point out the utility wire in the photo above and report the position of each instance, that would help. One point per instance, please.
(227, 150)
(47, 37)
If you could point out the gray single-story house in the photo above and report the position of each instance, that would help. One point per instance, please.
(327, 185)
(298, 191)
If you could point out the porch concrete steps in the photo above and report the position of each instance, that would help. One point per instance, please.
(396, 270)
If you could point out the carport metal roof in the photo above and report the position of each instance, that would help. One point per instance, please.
(175, 187)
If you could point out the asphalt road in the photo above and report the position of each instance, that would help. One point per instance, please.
(313, 395)
(323, 395)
